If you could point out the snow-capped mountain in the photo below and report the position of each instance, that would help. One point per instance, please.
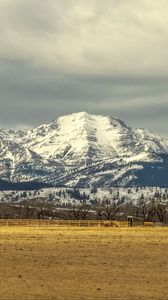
(84, 150)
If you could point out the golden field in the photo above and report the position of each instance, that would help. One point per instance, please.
(83, 263)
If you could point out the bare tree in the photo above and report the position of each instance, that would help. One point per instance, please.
(99, 212)
(162, 212)
(81, 212)
(146, 210)
(110, 211)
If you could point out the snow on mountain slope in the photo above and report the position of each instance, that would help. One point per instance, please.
(74, 137)
(94, 137)
(83, 149)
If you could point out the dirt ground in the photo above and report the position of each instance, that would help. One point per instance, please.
(75, 263)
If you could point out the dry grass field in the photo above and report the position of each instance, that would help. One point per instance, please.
(75, 263)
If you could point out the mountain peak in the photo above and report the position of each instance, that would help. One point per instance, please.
(80, 148)
(77, 116)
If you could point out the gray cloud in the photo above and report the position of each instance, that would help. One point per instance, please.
(100, 56)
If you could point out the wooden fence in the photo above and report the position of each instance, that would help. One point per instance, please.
(63, 223)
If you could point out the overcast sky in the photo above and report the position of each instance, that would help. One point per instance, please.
(100, 56)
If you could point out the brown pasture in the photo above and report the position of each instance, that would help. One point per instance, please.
(83, 263)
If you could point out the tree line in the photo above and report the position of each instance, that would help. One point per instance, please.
(144, 210)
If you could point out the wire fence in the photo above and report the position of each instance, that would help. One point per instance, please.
(76, 223)
(66, 223)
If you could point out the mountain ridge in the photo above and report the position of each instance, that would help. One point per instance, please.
(83, 149)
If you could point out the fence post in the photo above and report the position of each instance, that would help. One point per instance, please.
(130, 221)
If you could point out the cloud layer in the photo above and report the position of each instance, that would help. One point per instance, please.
(60, 56)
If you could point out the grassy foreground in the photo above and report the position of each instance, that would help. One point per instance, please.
(75, 263)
